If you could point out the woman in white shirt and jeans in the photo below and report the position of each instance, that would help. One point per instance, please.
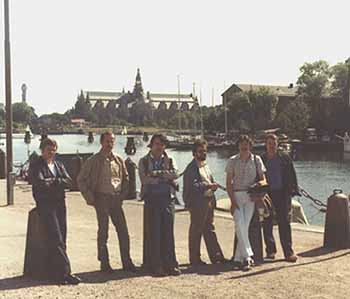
(241, 172)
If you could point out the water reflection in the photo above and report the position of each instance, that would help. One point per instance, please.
(318, 173)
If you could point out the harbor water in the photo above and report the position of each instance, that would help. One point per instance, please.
(318, 173)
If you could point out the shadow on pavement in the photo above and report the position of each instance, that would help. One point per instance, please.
(100, 277)
(264, 271)
(317, 252)
(20, 282)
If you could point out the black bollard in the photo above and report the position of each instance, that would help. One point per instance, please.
(2, 164)
(337, 227)
(130, 148)
(131, 168)
(36, 251)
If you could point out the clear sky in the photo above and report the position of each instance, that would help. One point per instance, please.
(62, 46)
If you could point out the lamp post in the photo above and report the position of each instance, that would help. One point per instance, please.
(348, 83)
(9, 157)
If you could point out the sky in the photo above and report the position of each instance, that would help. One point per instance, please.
(61, 46)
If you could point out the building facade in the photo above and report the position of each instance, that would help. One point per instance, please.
(137, 106)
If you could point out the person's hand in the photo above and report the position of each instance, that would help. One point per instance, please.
(234, 206)
(213, 186)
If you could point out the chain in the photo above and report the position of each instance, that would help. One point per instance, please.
(320, 205)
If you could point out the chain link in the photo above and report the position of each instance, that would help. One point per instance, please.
(320, 205)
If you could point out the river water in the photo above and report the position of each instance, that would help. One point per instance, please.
(318, 173)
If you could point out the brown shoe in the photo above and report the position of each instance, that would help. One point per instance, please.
(174, 271)
(292, 258)
(270, 256)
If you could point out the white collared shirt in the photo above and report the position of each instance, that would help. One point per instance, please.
(244, 171)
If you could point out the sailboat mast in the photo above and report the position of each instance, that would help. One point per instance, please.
(200, 107)
(212, 97)
(225, 107)
(179, 100)
(195, 114)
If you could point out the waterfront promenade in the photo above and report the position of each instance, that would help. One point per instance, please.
(317, 274)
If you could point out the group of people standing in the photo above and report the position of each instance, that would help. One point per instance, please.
(103, 182)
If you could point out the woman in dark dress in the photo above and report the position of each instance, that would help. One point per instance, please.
(49, 180)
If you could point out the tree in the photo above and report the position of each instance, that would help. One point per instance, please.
(264, 103)
(213, 118)
(295, 118)
(23, 113)
(239, 111)
(339, 85)
(313, 81)
(2, 117)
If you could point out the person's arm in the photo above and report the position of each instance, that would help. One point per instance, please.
(125, 180)
(171, 174)
(38, 179)
(65, 181)
(146, 179)
(294, 188)
(83, 182)
(229, 189)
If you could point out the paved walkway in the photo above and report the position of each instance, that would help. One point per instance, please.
(318, 274)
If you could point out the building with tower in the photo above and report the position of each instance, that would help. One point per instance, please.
(136, 106)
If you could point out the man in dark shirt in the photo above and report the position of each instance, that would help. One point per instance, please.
(283, 184)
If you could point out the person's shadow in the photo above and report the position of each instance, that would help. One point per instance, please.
(93, 277)
(316, 252)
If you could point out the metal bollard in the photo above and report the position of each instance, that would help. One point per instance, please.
(36, 250)
(2, 164)
(10, 185)
(131, 168)
(337, 227)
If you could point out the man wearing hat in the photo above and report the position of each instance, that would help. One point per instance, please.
(158, 173)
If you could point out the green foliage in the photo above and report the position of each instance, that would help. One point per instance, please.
(23, 113)
(295, 118)
(263, 103)
(2, 117)
(313, 81)
(339, 85)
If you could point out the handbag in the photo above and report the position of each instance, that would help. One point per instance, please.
(259, 194)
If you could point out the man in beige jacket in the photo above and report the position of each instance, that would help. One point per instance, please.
(103, 182)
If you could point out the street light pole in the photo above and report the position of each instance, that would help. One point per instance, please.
(348, 85)
(9, 158)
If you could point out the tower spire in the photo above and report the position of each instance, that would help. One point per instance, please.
(138, 89)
